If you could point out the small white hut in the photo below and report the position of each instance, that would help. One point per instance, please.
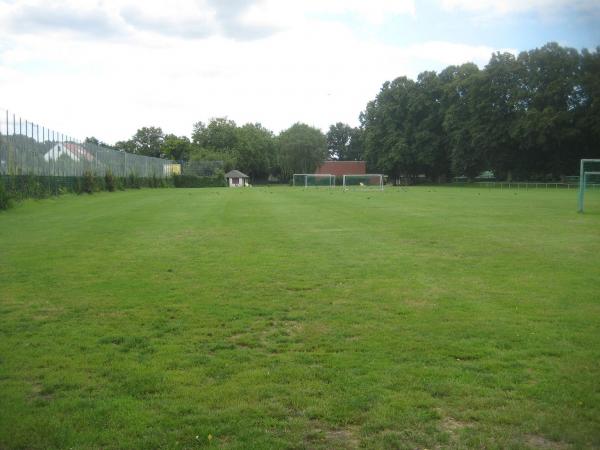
(235, 178)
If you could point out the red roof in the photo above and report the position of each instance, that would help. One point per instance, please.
(339, 168)
(74, 151)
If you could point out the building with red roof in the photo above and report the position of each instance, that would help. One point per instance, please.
(340, 168)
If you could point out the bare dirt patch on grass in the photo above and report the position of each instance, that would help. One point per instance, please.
(453, 427)
(449, 424)
(343, 438)
(537, 441)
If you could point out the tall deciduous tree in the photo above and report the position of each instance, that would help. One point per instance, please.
(354, 150)
(546, 131)
(92, 140)
(528, 117)
(255, 150)
(388, 130)
(146, 141)
(500, 102)
(426, 112)
(344, 142)
(176, 147)
(585, 102)
(301, 149)
(220, 134)
(461, 123)
(338, 140)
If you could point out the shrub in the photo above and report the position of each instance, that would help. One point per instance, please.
(21, 186)
(161, 183)
(99, 184)
(5, 198)
(193, 181)
(87, 184)
(133, 181)
(110, 183)
(32, 187)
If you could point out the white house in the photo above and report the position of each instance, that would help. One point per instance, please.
(70, 150)
(235, 178)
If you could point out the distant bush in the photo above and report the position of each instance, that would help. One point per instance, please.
(28, 186)
(110, 183)
(20, 187)
(154, 181)
(87, 184)
(33, 186)
(133, 181)
(193, 181)
(5, 198)
(99, 183)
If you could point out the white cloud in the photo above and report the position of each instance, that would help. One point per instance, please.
(374, 11)
(505, 7)
(449, 53)
(239, 19)
(309, 68)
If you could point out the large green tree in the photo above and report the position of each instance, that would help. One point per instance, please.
(355, 149)
(585, 103)
(461, 125)
(338, 140)
(426, 114)
(529, 117)
(146, 141)
(388, 130)
(302, 149)
(500, 107)
(344, 142)
(546, 131)
(219, 134)
(176, 147)
(254, 150)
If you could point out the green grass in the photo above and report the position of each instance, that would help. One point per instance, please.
(282, 318)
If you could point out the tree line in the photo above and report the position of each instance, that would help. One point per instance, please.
(526, 117)
(533, 116)
(250, 148)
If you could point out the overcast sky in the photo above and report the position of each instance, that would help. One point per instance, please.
(108, 67)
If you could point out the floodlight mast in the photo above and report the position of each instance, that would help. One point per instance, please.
(582, 176)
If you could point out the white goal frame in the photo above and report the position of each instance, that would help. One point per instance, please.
(364, 175)
(583, 174)
(315, 176)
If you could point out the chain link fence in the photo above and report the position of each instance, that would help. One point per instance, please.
(28, 149)
(202, 168)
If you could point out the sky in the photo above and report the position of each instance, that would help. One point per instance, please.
(105, 68)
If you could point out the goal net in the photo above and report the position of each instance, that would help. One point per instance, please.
(313, 180)
(589, 182)
(365, 181)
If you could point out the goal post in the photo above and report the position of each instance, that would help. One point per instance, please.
(589, 169)
(313, 180)
(364, 181)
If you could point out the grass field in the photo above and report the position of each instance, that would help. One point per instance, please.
(282, 318)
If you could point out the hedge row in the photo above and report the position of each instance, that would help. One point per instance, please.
(20, 187)
(192, 181)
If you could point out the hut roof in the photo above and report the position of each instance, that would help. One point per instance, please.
(236, 174)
